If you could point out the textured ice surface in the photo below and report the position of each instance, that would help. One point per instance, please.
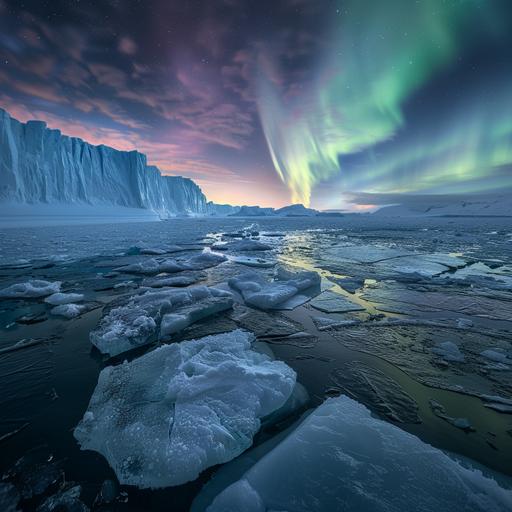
(253, 262)
(152, 266)
(331, 302)
(342, 458)
(177, 281)
(376, 390)
(449, 351)
(412, 346)
(69, 310)
(163, 418)
(57, 299)
(34, 288)
(278, 294)
(248, 245)
(397, 298)
(136, 321)
(205, 260)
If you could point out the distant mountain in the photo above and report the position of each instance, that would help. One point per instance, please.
(296, 210)
(293, 210)
(253, 211)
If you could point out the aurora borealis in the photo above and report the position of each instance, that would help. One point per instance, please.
(356, 101)
(276, 102)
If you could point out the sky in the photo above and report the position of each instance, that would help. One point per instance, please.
(317, 102)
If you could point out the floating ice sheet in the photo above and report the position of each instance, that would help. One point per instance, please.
(135, 322)
(342, 458)
(331, 302)
(282, 293)
(163, 418)
(35, 288)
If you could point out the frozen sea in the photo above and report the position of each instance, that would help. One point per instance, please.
(412, 318)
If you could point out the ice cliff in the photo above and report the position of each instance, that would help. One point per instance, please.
(40, 165)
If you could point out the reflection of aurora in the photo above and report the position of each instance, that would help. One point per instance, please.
(383, 56)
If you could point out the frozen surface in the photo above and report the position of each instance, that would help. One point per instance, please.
(137, 320)
(259, 292)
(69, 310)
(359, 463)
(34, 288)
(163, 418)
(435, 354)
(331, 302)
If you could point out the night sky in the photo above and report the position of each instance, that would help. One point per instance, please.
(271, 102)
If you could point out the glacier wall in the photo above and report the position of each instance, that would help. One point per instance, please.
(40, 165)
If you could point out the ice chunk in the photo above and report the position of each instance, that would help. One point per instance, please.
(249, 245)
(152, 266)
(449, 351)
(176, 281)
(135, 322)
(342, 458)
(199, 303)
(496, 354)
(205, 260)
(69, 310)
(34, 288)
(64, 501)
(331, 302)
(57, 299)
(253, 262)
(263, 294)
(163, 418)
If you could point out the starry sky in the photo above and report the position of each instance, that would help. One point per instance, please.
(324, 102)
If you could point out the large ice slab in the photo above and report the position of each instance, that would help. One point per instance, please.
(163, 418)
(136, 322)
(281, 293)
(342, 458)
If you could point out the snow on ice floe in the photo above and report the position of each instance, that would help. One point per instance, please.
(359, 463)
(281, 293)
(59, 298)
(35, 288)
(163, 418)
(136, 321)
(69, 310)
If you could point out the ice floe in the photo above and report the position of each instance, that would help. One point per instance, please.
(35, 288)
(331, 302)
(281, 293)
(135, 321)
(163, 418)
(359, 463)
(449, 351)
(59, 298)
(69, 310)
